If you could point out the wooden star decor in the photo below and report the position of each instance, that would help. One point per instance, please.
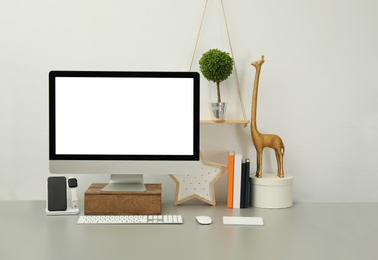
(198, 185)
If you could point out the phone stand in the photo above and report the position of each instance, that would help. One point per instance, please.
(65, 212)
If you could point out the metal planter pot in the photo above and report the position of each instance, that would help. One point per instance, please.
(218, 110)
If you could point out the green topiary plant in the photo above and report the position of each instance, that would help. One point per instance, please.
(216, 66)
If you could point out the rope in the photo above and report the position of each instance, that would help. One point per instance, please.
(199, 31)
(236, 73)
(232, 54)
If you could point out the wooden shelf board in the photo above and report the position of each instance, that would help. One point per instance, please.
(224, 121)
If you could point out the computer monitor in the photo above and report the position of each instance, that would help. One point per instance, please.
(125, 124)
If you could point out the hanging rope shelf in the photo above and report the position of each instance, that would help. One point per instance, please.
(245, 121)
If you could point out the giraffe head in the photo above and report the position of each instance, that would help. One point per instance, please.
(258, 63)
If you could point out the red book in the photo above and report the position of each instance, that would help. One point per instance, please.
(230, 183)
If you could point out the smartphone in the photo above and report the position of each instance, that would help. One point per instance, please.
(56, 194)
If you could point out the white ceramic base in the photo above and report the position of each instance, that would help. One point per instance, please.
(270, 191)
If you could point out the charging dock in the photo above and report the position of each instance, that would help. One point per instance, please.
(60, 213)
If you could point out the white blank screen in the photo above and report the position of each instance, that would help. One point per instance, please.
(124, 116)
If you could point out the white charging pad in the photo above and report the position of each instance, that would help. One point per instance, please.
(65, 212)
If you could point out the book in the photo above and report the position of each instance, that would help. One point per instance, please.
(246, 182)
(230, 181)
(242, 186)
(237, 180)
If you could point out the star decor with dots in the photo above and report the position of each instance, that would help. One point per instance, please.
(198, 185)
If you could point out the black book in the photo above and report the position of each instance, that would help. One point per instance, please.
(242, 188)
(247, 183)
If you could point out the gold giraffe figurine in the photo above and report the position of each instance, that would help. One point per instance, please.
(260, 141)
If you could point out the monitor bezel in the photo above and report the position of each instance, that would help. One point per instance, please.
(106, 157)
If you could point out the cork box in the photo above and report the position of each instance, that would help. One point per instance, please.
(98, 202)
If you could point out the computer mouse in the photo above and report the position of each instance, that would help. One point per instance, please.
(204, 220)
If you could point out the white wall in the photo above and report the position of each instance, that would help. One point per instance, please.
(318, 86)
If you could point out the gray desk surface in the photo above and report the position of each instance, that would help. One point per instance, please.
(305, 231)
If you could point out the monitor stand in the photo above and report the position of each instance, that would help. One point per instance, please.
(125, 182)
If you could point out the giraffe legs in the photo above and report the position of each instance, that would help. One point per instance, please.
(279, 163)
(259, 164)
(279, 157)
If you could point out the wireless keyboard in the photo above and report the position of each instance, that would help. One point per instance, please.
(129, 219)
